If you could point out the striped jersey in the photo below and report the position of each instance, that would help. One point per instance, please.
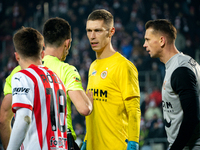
(39, 89)
(67, 73)
(180, 101)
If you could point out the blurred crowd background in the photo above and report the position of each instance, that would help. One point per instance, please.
(130, 17)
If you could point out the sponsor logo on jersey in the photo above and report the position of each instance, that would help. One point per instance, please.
(77, 79)
(93, 73)
(104, 74)
(100, 95)
(192, 62)
(167, 124)
(167, 106)
(20, 91)
(60, 142)
(17, 78)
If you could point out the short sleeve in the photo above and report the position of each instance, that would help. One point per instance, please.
(22, 92)
(7, 87)
(72, 79)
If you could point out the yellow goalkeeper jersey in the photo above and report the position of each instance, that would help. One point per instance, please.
(112, 80)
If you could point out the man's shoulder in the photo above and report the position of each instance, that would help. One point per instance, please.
(54, 63)
(121, 59)
(124, 62)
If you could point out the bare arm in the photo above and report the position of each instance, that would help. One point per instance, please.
(6, 116)
(82, 101)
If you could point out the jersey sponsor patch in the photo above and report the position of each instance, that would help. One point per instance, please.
(192, 62)
(167, 124)
(100, 95)
(93, 73)
(20, 91)
(60, 142)
(77, 79)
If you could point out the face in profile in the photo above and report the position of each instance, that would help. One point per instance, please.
(98, 34)
(152, 43)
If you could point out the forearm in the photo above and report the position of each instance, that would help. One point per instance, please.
(134, 115)
(188, 125)
(82, 102)
(6, 116)
(5, 132)
(184, 83)
(21, 125)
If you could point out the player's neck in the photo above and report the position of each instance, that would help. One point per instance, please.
(169, 52)
(106, 52)
(27, 62)
(56, 52)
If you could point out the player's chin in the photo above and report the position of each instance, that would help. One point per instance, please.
(96, 49)
(152, 56)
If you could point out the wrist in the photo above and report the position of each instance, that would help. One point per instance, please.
(132, 145)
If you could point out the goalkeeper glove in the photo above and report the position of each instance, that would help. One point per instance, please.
(132, 145)
(83, 147)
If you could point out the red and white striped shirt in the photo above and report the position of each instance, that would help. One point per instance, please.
(40, 90)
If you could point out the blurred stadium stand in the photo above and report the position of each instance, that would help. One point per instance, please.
(130, 17)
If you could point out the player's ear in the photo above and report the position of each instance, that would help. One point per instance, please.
(17, 57)
(111, 32)
(162, 41)
(42, 54)
(68, 43)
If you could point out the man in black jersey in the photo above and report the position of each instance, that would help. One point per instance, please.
(180, 90)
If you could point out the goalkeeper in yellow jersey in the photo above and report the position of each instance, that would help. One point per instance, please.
(114, 123)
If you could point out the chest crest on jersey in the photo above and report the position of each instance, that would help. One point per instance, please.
(104, 74)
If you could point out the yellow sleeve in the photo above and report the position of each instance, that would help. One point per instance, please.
(85, 139)
(133, 109)
(128, 80)
(7, 88)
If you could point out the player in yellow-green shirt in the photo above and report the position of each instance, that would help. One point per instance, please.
(57, 38)
(66, 72)
(115, 120)
(7, 87)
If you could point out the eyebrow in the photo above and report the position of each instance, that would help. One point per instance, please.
(102, 29)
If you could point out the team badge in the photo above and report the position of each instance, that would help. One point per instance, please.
(104, 74)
